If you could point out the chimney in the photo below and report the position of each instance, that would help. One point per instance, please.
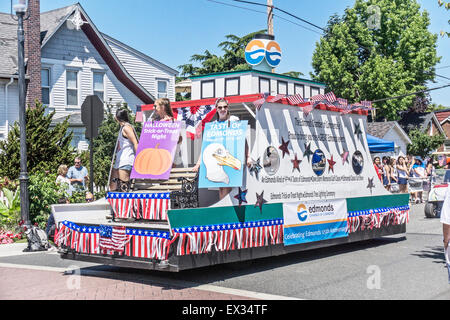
(32, 28)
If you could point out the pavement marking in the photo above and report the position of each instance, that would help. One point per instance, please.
(174, 282)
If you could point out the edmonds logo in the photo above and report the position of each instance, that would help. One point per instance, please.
(302, 213)
(258, 49)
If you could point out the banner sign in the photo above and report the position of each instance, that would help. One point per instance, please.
(156, 150)
(310, 221)
(223, 154)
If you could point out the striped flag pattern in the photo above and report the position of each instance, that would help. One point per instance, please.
(277, 98)
(137, 243)
(234, 236)
(112, 239)
(295, 99)
(376, 218)
(330, 97)
(195, 118)
(146, 206)
(317, 98)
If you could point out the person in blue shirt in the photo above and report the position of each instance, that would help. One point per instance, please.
(78, 175)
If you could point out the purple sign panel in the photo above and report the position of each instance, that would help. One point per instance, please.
(156, 150)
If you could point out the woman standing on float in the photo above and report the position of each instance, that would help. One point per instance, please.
(127, 144)
(223, 114)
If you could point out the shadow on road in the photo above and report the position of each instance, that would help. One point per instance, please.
(435, 253)
(222, 272)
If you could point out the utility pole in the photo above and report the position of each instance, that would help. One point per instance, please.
(270, 20)
(270, 16)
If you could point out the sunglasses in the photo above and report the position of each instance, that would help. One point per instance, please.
(77, 162)
(222, 107)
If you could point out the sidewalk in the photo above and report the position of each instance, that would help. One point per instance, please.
(56, 283)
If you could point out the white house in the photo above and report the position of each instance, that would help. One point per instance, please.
(75, 60)
(390, 131)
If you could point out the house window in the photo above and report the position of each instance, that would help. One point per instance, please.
(282, 87)
(299, 89)
(162, 88)
(264, 85)
(232, 87)
(99, 85)
(314, 91)
(45, 86)
(208, 89)
(72, 88)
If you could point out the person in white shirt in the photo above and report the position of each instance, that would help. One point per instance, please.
(127, 145)
(63, 180)
(445, 220)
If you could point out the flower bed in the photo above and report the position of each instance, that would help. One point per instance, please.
(7, 237)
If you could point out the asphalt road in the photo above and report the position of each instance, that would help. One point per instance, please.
(403, 267)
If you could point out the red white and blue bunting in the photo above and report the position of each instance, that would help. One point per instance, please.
(329, 99)
(376, 218)
(138, 243)
(146, 206)
(228, 236)
(195, 118)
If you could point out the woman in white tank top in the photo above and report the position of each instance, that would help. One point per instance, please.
(127, 144)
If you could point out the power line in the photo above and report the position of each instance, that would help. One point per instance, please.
(232, 5)
(285, 12)
(410, 94)
(305, 21)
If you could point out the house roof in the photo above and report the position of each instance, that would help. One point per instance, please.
(51, 21)
(413, 120)
(380, 129)
(8, 45)
(442, 115)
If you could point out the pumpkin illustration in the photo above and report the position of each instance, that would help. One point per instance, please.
(153, 161)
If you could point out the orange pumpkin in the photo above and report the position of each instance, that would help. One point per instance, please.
(153, 161)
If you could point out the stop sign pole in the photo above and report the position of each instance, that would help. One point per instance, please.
(92, 117)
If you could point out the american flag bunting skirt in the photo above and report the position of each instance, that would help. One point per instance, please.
(376, 218)
(110, 240)
(145, 206)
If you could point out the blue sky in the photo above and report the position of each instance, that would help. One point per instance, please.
(171, 31)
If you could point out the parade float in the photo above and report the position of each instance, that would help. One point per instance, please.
(298, 170)
(310, 183)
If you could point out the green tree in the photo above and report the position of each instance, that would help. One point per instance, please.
(47, 147)
(422, 144)
(368, 54)
(446, 5)
(233, 57)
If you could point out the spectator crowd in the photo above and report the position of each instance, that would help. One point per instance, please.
(405, 174)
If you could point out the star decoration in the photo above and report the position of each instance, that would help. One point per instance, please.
(358, 131)
(308, 153)
(255, 167)
(260, 200)
(241, 196)
(284, 146)
(331, 164)
(296, 163)
(370, 185)
(344, 157)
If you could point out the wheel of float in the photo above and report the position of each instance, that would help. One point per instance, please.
(430, 210)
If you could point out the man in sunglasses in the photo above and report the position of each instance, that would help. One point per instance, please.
(78, 175)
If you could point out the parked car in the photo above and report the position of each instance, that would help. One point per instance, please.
(439, 184)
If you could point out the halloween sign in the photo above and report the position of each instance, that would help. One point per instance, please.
(156, 150)
(223, 154)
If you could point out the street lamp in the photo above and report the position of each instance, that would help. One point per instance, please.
(19, 8)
